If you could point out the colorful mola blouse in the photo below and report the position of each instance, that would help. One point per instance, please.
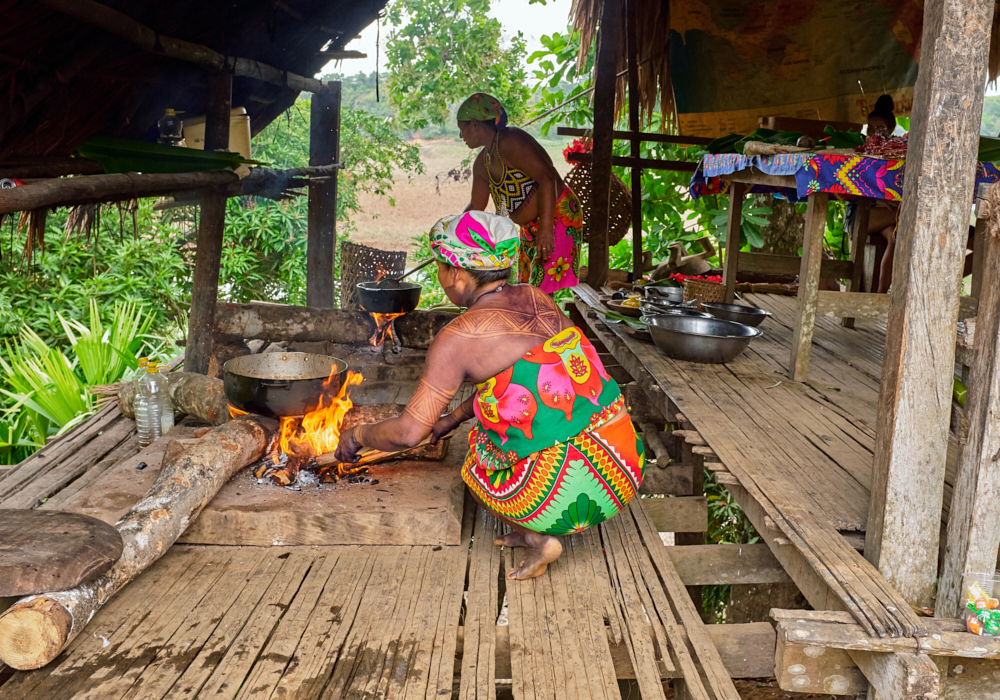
(546, 452)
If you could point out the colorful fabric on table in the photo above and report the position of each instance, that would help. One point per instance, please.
(853, 176)
(562, 269)
(483, 107)
(707, 179)
(475, 240)
(547, 451)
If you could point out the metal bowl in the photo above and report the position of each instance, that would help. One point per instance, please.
(652, 312)
(747, 315)
(674, 294)
(281, 384)
(704, 340)
(616, 306)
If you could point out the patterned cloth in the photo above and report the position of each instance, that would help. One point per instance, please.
(483, 107)
(475, 240)
(513, 189)
(546, 451)
(564, 264)
(844, 176)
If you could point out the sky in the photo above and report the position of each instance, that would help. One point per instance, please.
(532, 21)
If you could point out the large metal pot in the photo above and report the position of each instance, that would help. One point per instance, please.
(747, 315)
(705, 340)
(282, 384)
(388, 300)
(672, 294)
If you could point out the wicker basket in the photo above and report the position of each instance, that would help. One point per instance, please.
(704, 292)
(360, 263)
(620, 210)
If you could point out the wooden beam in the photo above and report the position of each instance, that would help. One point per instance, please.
(324, 149)
(809, 274)
(122, 25)
(639, 136)
(914, 406)
(678, 514)
(211, 228)
(56, 167)
(340, 55)
(632, 63)
(973, 533)
(733, 223)
(726, 564)
(859, 238)
(604, 123)
(790, 265)
(909, 676)
(752, 176)
(851, 304)
(671, 480)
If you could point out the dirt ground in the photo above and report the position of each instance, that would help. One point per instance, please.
(426, 198)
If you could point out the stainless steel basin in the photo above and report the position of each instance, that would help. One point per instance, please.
(747, 315)
(704, 340)
(652, 310)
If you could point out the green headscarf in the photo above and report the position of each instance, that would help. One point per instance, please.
(483, 107)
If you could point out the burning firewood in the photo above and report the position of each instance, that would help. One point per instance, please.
(37, 628)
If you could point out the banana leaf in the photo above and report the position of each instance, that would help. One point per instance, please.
(123, 156)
(842, 139)
(989, 149)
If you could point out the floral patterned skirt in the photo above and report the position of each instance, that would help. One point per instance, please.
(565, 488)
(561, 270)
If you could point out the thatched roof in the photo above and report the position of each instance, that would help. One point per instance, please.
(64, 80)
(654, 23)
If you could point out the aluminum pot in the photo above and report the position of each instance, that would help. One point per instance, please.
(705, 340)
(673, 294)
(747, 315)
(389, 300)
(282, 384)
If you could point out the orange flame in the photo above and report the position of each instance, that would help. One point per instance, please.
(383, 328)
(318, 432)
(235, 412)
(382, 272)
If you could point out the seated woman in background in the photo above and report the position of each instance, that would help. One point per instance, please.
(883, 216)
(553, 450)
(514, 168)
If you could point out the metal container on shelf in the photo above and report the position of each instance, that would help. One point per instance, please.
(704, 340)
(747, 315)
(671, 294)
(650, 309)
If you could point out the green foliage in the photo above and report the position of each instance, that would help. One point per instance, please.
(358, 93)
(104, 354)
(559, 80)
(751, 222)
(441, 51)
(727, 524)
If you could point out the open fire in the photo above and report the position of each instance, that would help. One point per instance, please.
(384, 329)
(304, 438)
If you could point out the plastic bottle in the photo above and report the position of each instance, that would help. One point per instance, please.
(140, 372)
(166, 410)
(147, 407)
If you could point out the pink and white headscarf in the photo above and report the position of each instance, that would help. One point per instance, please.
(476, 240)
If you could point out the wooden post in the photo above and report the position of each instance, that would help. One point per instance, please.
(737, 190)
(914, 408)
(859, 238)
(631, 32)
(324, 149)
(211, 226)
(974, 520)
(978, 258)
(604, 124)
(805, 309)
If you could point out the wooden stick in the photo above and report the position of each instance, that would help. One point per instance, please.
(116, 22)
(370, 456)
(37, 628)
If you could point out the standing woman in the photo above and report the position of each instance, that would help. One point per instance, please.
(515, 170)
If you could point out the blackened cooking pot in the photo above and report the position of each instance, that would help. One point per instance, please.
(281, 384)
(388, 300)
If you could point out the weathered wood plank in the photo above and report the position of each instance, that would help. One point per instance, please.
(324, 149)
(915, 398)
(790, 265)
(852, 304)
(678, 514)
(809, 274)
(731, 264)
(726, 564)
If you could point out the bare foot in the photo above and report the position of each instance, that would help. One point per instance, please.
(542, 551)
(511, 539)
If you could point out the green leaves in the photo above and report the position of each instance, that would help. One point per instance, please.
(751, 222)
(104, 354)
(441, 51)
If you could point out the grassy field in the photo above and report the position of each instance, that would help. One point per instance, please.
(423, 200)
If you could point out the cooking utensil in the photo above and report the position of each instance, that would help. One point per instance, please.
(651, 311)
(281, 384)
(393, 282)
(616, 306)
(705, 340)
(747, 315)
(376, 300)
(674, 294)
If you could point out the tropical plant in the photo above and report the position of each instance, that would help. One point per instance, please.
(751, 222)
(560, 80)
(104, 354)
(441, 51)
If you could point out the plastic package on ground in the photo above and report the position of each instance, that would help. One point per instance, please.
(982, 606)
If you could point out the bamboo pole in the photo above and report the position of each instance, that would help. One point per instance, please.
(145, 38)
(37, 628)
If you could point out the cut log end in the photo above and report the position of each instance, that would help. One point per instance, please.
(33, 634)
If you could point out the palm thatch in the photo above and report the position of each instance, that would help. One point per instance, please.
(656, 95)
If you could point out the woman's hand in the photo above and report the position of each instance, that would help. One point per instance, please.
(348, 447)
(443, 426)
(545, 246)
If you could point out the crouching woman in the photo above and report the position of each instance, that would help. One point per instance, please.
(552, 450)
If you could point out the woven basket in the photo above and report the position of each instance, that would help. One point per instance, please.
(704, 292)
(620, 211)
(360, 263)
